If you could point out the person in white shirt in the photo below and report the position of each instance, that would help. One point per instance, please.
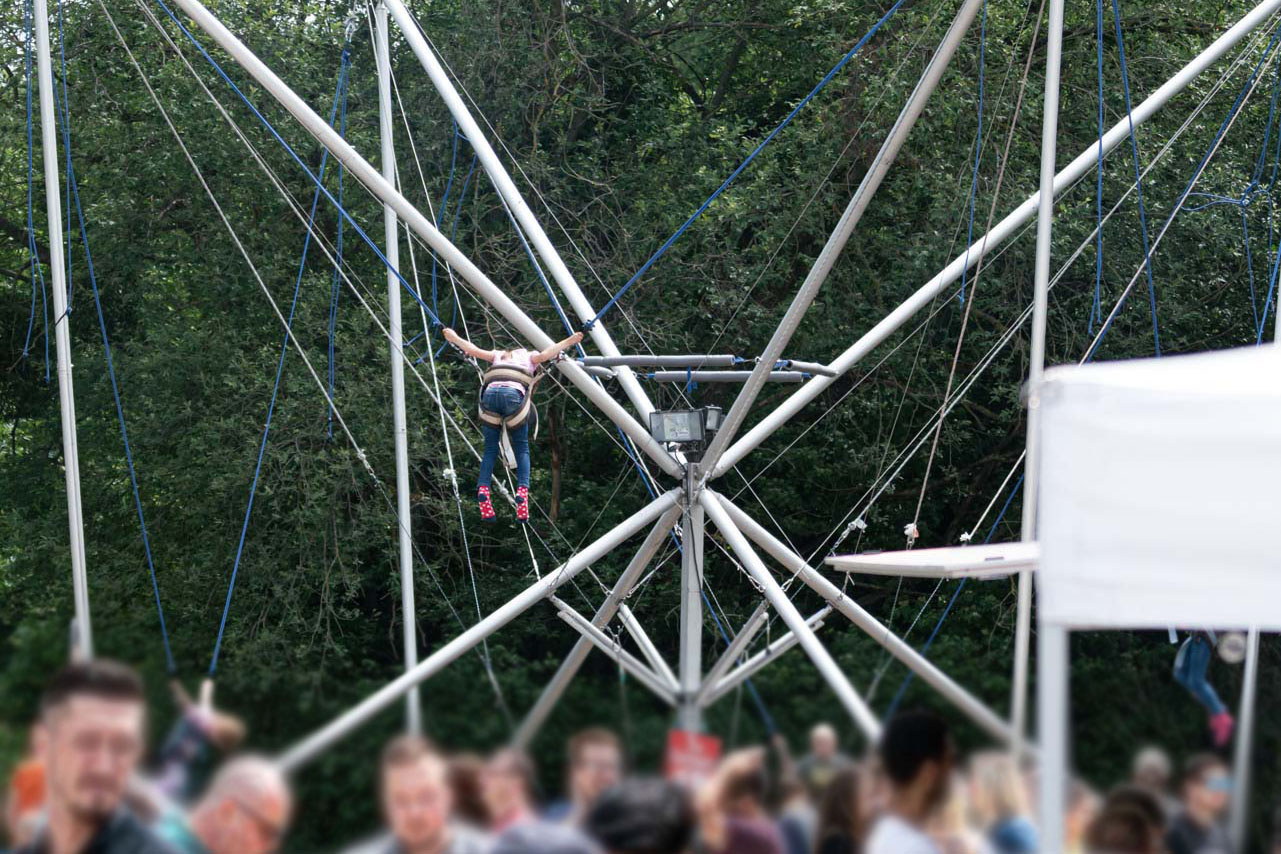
(917, 757)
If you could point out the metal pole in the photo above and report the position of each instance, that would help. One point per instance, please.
(346, 723)
(827, 666)
(413, 705)
(991, 722)
(507, 188)
(424, 228)
(625, 659)
(1239, 823)
(555, 689)
(734, 651)
(717, 361)
(58, 281)
(690, 667)
(1052, 709)
(758, 662)
(726, 376)
(1036, 366)
(646, 645)
(841, 234)
(1001, 232)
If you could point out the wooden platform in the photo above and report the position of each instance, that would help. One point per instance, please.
(981, 562)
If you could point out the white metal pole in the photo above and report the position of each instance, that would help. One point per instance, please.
(630, 663)
(1036, 365)
(555, 689)
(758, 662)
(991, 722)
(355, 717)
(362, 171)
(1052, 710)
(1001, 232)
(734, 651)
(827, 666)
(646, 645)
(497, 173)
(391, 229)
(1240, 818)
(690, 665)
(62, 334)
(844, 229)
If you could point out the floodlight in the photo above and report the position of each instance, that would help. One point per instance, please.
(677, 425)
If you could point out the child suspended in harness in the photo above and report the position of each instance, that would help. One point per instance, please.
(506, 405)
(1190, 667)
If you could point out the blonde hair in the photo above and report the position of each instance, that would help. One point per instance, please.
(998, 786)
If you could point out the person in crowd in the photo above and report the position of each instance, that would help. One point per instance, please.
(24, 806)
(840, 827)
(1122, 829)
(823, 762)
(465, 771)
(93, 718)
(200, 731)
(950, 828)
(595, 764)
(507, 787)
(1140, 799)
(542, 838)
(508, 387)
(1082, 809)
(642, 816)
(1191, 664)
(1000, 803)
(797, 817)
(1206, 791)
(1152, 770)
(245, 810)
(731, 808)
(418, 804)
(917, 758)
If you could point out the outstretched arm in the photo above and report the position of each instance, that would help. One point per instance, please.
(556, 349)
(467, 347)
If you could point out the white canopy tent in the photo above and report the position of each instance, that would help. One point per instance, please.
(1159, 507)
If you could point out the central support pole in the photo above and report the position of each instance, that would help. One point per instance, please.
(58, 282)
(1036, 366)
(844, 229)
(391, 227)
(689, 716)
(1239, 823)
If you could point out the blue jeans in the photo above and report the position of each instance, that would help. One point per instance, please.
(504, 401)
(1190, 666)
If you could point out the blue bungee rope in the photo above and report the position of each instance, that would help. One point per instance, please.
(37, 269)
(662, 250)
(335, 282)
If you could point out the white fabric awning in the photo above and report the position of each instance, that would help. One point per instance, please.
(1161, 492)
(994, 560)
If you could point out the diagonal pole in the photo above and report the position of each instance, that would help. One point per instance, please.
(767, 656)
(630, 663)
(777, 597)
(841, 234)
(62, 334)
(733, 652)
(986, 243)
(382, 189)
(555, 689)
(929, 673)
(511, 194)
(338, 729)
(646, 644)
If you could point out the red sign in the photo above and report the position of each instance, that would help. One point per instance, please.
(691, 756)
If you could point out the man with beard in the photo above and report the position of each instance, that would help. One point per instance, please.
(917, 756)
(418, 804)
(93, 718)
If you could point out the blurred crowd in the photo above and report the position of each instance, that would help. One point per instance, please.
(83, 790)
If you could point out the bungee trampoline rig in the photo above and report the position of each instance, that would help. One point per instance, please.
(693, 448)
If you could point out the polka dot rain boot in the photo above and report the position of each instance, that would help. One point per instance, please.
(522, 504)
(486, 506)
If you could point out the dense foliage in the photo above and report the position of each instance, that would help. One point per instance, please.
(623, 116)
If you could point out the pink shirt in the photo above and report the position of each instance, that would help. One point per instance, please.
(520, 360)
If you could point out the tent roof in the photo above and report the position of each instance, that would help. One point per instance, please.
(985, 561)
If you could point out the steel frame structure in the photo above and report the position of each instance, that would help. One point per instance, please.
(685, 508)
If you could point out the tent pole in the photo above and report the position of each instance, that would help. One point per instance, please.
(896, 646)
(58, 282)
(1001, 232)
(424, 228)
(1052, 710)
(1240, 817)
(555, 689)
(515, 201)
(844, 229)
(827, 666)
(391, 228)
(351, 720)
(1036, 367)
